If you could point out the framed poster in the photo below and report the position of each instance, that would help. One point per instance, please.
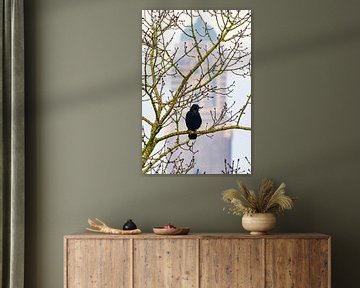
(196, 91)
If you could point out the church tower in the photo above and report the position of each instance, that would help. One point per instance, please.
(212, 149)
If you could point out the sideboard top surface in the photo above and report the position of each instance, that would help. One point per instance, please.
(87, 235)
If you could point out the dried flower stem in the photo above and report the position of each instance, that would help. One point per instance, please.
(101, 227)
(245, 201)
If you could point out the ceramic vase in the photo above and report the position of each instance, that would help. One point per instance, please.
(259, 223)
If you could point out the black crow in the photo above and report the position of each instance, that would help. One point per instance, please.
(193, 120)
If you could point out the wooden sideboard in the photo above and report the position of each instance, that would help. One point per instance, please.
(197, 260)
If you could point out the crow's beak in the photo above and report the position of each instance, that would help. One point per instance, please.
(201, 107)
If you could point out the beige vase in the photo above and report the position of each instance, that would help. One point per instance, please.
(259, 223)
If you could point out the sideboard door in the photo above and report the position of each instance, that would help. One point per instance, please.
(98, 263)
(231, 263)
(287, 263)
(320, 263)
(170, 263)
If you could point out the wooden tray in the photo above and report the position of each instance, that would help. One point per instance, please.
(171, 231)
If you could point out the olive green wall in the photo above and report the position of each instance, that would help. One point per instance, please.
(83, 126)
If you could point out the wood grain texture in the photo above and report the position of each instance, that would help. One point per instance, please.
(319, 263)
(98, 264)
(166, 263)
(88, 235)
(231, 263)
(197, 260)
(287, 263)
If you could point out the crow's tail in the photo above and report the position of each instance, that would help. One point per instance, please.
(192, 136)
